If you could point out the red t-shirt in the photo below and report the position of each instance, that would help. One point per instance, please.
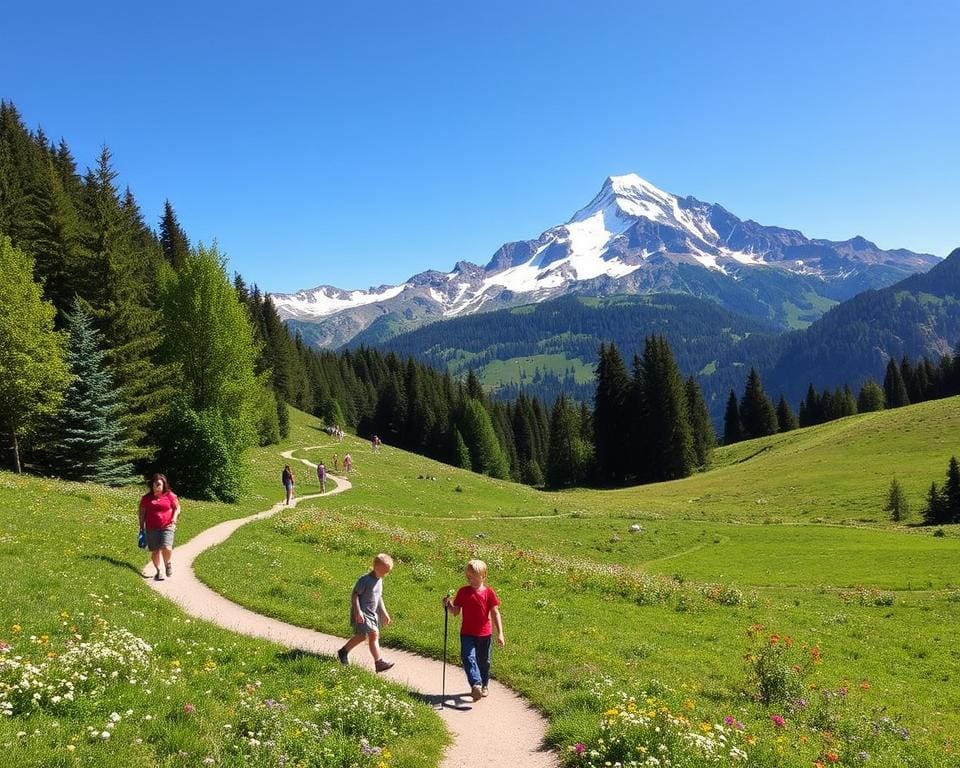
(158, 510)
(476, 605)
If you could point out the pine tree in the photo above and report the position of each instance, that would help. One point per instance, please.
(704, 437)
(486, 455)
(951, 492)
(871, 397)
(894, 389)
(786, 420)
(87, 430)
(173, 240)
(33, 372)
(119, 286)
(897, 505)
(732, 430)
(757, 414)
(610, 419)
(935, 511)
(564, 453)
(665, 424)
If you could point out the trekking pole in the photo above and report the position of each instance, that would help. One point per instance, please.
(443, 685)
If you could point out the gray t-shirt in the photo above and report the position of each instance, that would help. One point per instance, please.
(369, 590)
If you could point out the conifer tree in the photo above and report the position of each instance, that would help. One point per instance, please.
(951, 492)
(894, 389)
(665, 423)
(33, 372)
(476, 428)
(871, 397)
(732, 430)
(461, 454)
(564, 452)
(757, 414)
(87, 431)
(786, 420)
(935, 510)
(610, 418)
(897, 505)
(124, 269)
(173, 240)
(704, 438)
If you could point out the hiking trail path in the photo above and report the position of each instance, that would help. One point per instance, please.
(502, 730)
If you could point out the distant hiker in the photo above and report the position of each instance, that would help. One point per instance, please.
(336, 463)
(373, 443)
(287, 479)
(347, 463)
(367, 611)
(159, 512)
(479, 604)
(322, 476)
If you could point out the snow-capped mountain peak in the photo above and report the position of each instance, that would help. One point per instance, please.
(631, 237)
(629, 194)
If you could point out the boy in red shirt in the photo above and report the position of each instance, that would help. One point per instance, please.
(479, 604)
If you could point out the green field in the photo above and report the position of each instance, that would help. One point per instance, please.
(787, 532)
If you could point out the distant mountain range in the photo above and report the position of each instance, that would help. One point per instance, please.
(552, 346)
(632, 238)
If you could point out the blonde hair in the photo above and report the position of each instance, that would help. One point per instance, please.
(384, 559)
(479, 568)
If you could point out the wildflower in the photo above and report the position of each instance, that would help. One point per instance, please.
(864, 685)
(833, 757)
(778, 721)
(189, 709)
(105, 735)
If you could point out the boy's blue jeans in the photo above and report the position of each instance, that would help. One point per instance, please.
(475, 655)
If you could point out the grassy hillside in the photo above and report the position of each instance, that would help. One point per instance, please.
(786, 532)
(98, 670)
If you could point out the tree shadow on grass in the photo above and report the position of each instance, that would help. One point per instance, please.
(118, 563)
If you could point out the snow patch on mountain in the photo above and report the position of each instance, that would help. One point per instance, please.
(324, 301)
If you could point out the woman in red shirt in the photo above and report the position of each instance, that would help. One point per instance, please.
(159, 512)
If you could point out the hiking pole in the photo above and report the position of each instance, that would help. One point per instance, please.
(443, 685)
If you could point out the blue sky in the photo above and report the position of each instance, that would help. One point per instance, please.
(323, 144)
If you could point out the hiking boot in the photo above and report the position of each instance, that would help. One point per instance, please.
(169, 569)
(476, 692)
(484, 691)
(383, 665)
(158, 576)
(342, 656)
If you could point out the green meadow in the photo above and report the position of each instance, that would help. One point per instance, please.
(98, 670)
(622, 608)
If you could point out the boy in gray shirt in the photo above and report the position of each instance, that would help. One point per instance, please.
(367, 610)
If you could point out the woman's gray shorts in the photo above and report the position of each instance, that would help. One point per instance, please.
(160, 538)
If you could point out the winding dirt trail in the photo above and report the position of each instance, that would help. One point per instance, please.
(502, 730)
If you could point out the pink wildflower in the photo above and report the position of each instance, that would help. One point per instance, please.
(778, 721)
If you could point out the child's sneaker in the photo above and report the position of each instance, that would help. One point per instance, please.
(484, 692)
(383, 665)
(476, 692)
(342, 656)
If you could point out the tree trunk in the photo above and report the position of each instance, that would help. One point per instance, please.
(15, 447)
